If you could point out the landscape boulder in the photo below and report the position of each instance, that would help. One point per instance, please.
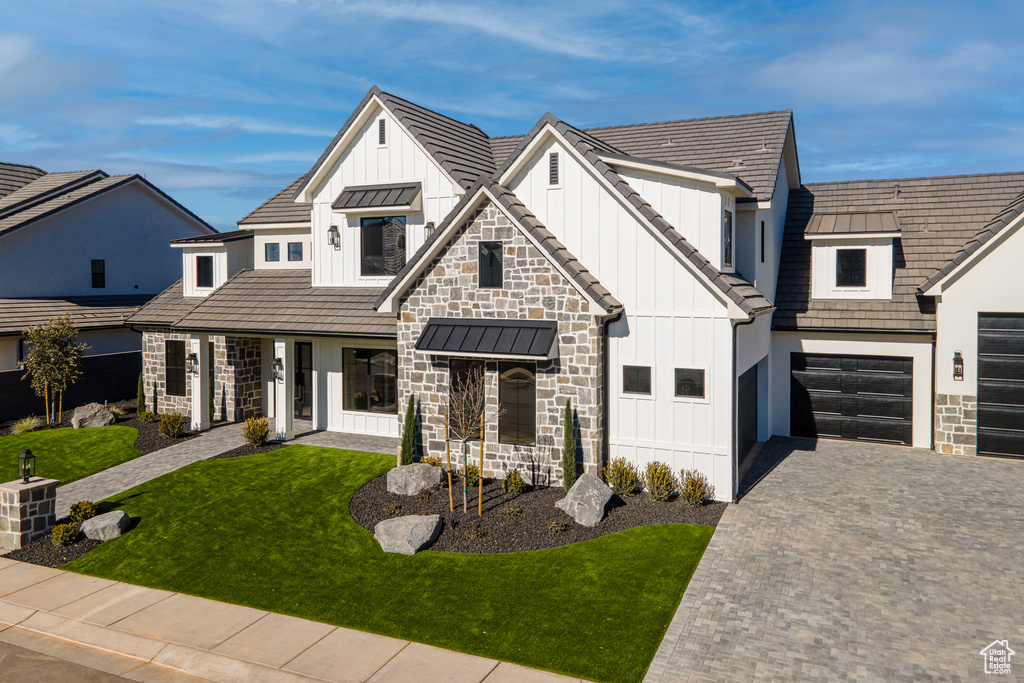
(408, 480)
(92, 415)
(106, 526)
(407, 535)
(586, 500)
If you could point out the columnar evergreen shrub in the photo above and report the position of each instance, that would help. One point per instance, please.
(140, 398)
(568, 449)
(409, 433)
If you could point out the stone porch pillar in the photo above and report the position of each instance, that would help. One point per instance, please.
(200, 346)
(284, 390)
(27, 511)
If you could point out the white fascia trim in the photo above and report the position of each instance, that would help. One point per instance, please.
(735, 312)
(731, 186)
(201, 246)
(275, 226)
(305, 195)
(939, 287)
(851, 236)
(381, 210)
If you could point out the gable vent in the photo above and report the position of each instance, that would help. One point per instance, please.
(553, 168)
(382, 138)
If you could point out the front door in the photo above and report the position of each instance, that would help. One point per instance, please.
(303, 380)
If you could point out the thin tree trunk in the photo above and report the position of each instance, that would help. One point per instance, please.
(448, 457)
(480, 493)
(46, 401)
(465, 477)
(60, 410)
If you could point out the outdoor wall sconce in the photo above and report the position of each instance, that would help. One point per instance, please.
(430, 227)
(26, 465)
(192, 364)
(334, 237)
(958, 366)
(277, 368)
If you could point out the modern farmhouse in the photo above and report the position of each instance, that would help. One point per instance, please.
(676, 281)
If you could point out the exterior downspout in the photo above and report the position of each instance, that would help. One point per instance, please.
(605, 439)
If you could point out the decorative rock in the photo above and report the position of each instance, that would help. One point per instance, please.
(92, 415)
(407, 535)
(408, 480)
(586, 500)
(106, 526)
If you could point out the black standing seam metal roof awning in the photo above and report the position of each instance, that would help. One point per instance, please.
(508, 338)
(376, 196)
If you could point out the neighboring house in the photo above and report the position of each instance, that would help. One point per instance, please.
(674, 280)
(91, 245)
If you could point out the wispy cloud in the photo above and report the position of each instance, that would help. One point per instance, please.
(214, 122)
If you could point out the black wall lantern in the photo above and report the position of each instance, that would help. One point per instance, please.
(277, 368)
(192, 364)
(26, 465)
(334, 237)
(958, 366)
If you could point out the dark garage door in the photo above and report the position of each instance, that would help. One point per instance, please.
(861, 398)
(1001, 384)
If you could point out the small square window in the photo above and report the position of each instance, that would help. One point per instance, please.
(689, 383)
(271, 252)
(295, 251)
(636, 379)
(851, 267)
(491, 272)
(204, 271)
(99, 274)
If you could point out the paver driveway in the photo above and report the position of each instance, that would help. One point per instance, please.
(851, 562)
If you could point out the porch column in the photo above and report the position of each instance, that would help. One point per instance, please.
(200, 346)
(284, 390)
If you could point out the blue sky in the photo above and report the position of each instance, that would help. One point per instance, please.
(221, 103)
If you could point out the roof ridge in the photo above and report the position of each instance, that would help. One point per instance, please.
(924, 177)
(434, 111)
(699, 118)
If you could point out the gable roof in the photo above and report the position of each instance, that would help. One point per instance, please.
(1008, 215)
(281, 208)
(733, 288)
(937, 216)
(13, 176)
(517, 211)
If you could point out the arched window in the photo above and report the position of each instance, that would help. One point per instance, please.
(517, 396)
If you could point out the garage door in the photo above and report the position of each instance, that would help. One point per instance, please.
(861, 398)
(1001, 384)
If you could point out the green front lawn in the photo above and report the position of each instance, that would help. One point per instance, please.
(69, 454)
(273, 532)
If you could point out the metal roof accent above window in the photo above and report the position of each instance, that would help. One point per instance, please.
(489, 338)
(823, 225)
(364, 198)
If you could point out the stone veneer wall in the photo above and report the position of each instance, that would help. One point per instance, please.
(153, 357)
(533, 289)
(240, 374)
(956, 424)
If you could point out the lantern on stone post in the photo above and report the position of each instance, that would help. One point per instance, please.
(26, 465)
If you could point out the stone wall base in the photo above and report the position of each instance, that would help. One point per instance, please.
(27, 511)
(956, 424)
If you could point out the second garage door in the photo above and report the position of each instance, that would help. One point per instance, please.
(1001, 384)
(861, 398)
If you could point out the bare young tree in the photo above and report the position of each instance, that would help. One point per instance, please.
(467, 415)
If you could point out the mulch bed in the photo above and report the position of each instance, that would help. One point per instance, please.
(150, 439)
(249, 450)
(496, 532)
(43, 552)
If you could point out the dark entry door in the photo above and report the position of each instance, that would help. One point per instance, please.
(303, 380)
(746, 413)
(860, 398)
(1001, 384)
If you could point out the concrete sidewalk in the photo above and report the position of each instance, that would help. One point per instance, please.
(150, 635)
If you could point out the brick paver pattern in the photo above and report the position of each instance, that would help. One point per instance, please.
(856, 562)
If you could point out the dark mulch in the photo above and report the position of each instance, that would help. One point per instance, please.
(495, 532)
(43, 552)
(150, 439)
(250, 450)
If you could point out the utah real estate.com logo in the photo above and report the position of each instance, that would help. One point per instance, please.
(997, 657)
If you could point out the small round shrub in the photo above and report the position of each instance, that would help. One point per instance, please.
(64, 534)
(256, 431)
(695, 489)
(557, 527)
(513, 482)
(115, 410)
(512, 511)
(172, 425)
(26, 424)
(622, 476)
(392, 509)
(83, 510)
(471, 473)
(477, 533)
(423, 495)
(147, 417)
(660, 481)
(434, 460)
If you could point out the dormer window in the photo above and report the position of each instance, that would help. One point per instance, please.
(851, 267)
(204, 271)
(852, 254)
(382, 132)
(490, 272)
(727, 240)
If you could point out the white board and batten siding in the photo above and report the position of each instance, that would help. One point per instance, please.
(328, 396)
(365, 162)
(671, 320)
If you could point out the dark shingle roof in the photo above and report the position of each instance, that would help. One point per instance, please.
(281, 208)
(44, 188)
(555, 249)
(373, 196)
(87, 312)
(231, 236)
(166, 308)
(14, 176)
(1002, 219)
(936, 216)
(852, 223)
(285, 301)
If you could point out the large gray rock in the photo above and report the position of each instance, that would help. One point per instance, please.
(106, 526)
(586, 500)
(92, 415)
(407, 535)
(408, 480)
